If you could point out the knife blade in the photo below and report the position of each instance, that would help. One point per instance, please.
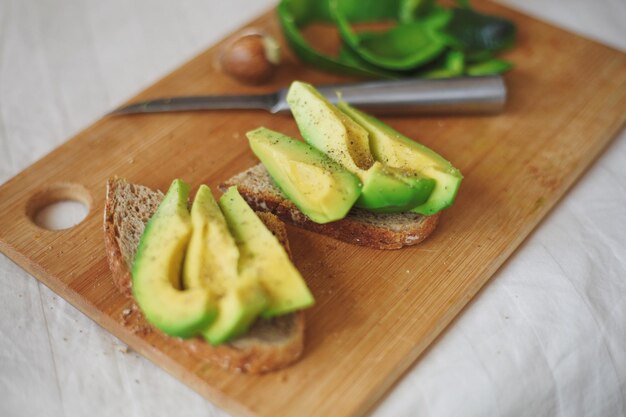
(406, 96)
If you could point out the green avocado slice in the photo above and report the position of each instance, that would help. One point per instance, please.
(157, 266)
(241, 304)
(329, 130)
(321, 188)
(262, 255)
(389, 190)
(212, 263)
(397, 151)
(333, 132)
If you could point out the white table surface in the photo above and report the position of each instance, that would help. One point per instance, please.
(546, 337)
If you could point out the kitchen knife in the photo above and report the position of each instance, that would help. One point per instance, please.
(406, 96)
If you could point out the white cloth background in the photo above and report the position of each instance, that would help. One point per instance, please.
(546, 337)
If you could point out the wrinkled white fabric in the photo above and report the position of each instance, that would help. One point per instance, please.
(546, 337)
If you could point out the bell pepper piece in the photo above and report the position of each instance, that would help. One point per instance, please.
(491, 67)
(401, 48)
(430, 40)
(478, 35)
(289, 13)
(452, 65)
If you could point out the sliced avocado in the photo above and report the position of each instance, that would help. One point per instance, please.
(396, 150)
(329, 130)
(344, 140)
(239, 307)
(212, 263)
(261, 254)
(157, 267)
(321, 188)
(212, 255)
(390, 190)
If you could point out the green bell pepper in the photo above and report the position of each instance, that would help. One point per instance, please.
(492, 66)
(428, 40)
(401, 48)
(294, 13)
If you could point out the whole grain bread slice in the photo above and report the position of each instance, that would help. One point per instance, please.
(269, 344)
(360, 227)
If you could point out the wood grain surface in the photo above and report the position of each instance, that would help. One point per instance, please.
(376, 311)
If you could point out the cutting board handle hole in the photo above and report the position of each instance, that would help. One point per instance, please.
(59, 206)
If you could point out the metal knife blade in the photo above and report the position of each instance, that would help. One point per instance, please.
(407, 96)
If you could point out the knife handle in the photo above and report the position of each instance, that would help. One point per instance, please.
(411, 96)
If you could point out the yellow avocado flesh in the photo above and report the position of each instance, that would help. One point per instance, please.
(344, 140)
(211, 264)
(262, 255)
(239, 307)
(397, 151)
(318, 186)
(212, 256)
(327, 129)
(157, 268)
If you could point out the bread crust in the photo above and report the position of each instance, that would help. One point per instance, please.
(117, 264)
(359, 227)
(253, 358)
(252, 353)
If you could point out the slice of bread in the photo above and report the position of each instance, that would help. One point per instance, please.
(360, 227)
(268, 345)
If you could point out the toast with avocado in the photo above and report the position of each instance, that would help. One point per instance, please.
(353, 177)
(255, 338)
(359, 226)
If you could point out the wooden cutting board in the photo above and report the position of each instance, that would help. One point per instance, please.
(376, 311)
